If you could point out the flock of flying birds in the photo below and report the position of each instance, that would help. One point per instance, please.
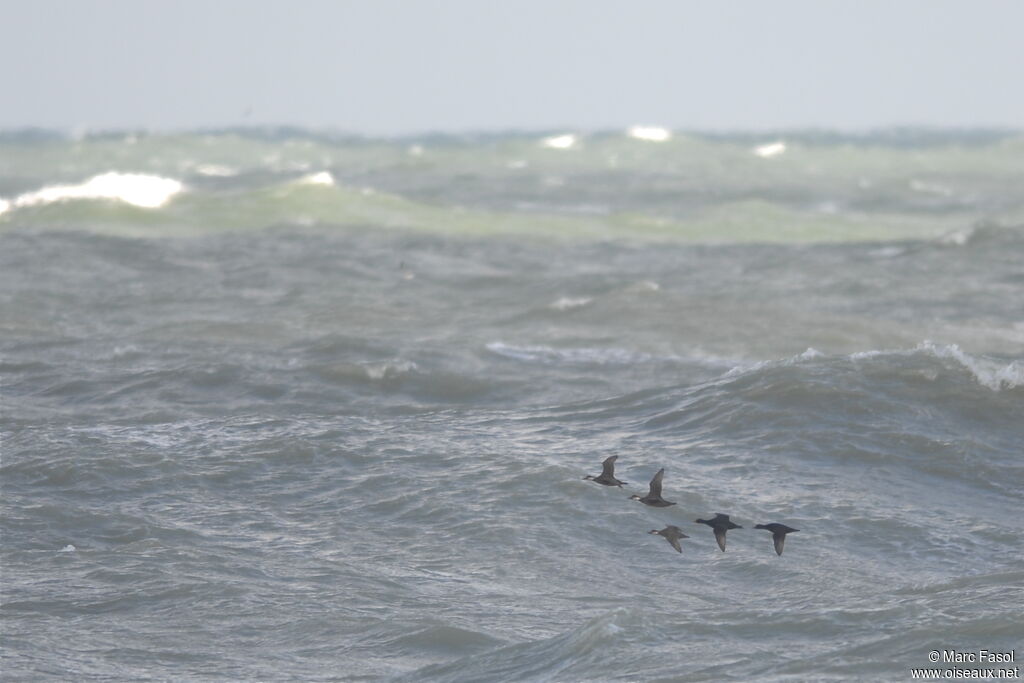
(719, 523)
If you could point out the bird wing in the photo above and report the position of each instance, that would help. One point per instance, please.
(780, 540)
(675, 543)
(656, 484)
(720, 537)
(608, 466)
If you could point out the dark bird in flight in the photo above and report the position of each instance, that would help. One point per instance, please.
(653, 497)
(607, 476)
(719, 524)
(779, 532)
(672, 534)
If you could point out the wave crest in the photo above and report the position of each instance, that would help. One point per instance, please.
(138, 189)
(987, 372)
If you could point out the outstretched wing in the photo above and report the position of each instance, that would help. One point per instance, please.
(780, 540)
(656, 484)
(675, 543)
(720, 537)
(608, 467)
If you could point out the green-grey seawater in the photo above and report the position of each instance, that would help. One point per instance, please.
(290, 405)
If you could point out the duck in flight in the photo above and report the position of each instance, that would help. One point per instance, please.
(779, 532)
(720, 524)
(672, 534)
(653, 497)
(607, 476)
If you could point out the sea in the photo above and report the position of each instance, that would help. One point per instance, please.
(283, 404)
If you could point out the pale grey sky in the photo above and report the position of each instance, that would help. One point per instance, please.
(403, 66)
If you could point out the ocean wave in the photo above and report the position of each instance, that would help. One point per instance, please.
(310, 200)
(769, 149)
(568, 303)
(388, 371)
(873, 404)
(137, 189)
(443, 639)
(980, 233)
(320, 199)
(216, 170)
(988, 372)
(690, 188)
(809, 354)
(403, 377)
(548, 354)
(586, 647)
(565, 141)
(319, 178)
(649, 133)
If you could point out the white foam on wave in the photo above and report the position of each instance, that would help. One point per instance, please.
(5, 206)
(649, 133)
(987, 372)
(68, 549)
(567, 303)
(567, 141)
(548, 354)
(957, 238)
(810, 353)
(321, 178)
(138, 189)
(867, 355)
(380, 371)
(770, 149)
(216, 170)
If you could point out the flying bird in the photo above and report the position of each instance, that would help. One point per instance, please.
(607, 476)
(672, 534)
(779, 532)
(653, 497)
(719, 524)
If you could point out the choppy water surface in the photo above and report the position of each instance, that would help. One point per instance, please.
(298, 407)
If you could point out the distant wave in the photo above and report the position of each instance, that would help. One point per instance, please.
(138, 189)
(988, 372)
(646, 183)
(548, 354)
(568, 303)
(320, 178)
